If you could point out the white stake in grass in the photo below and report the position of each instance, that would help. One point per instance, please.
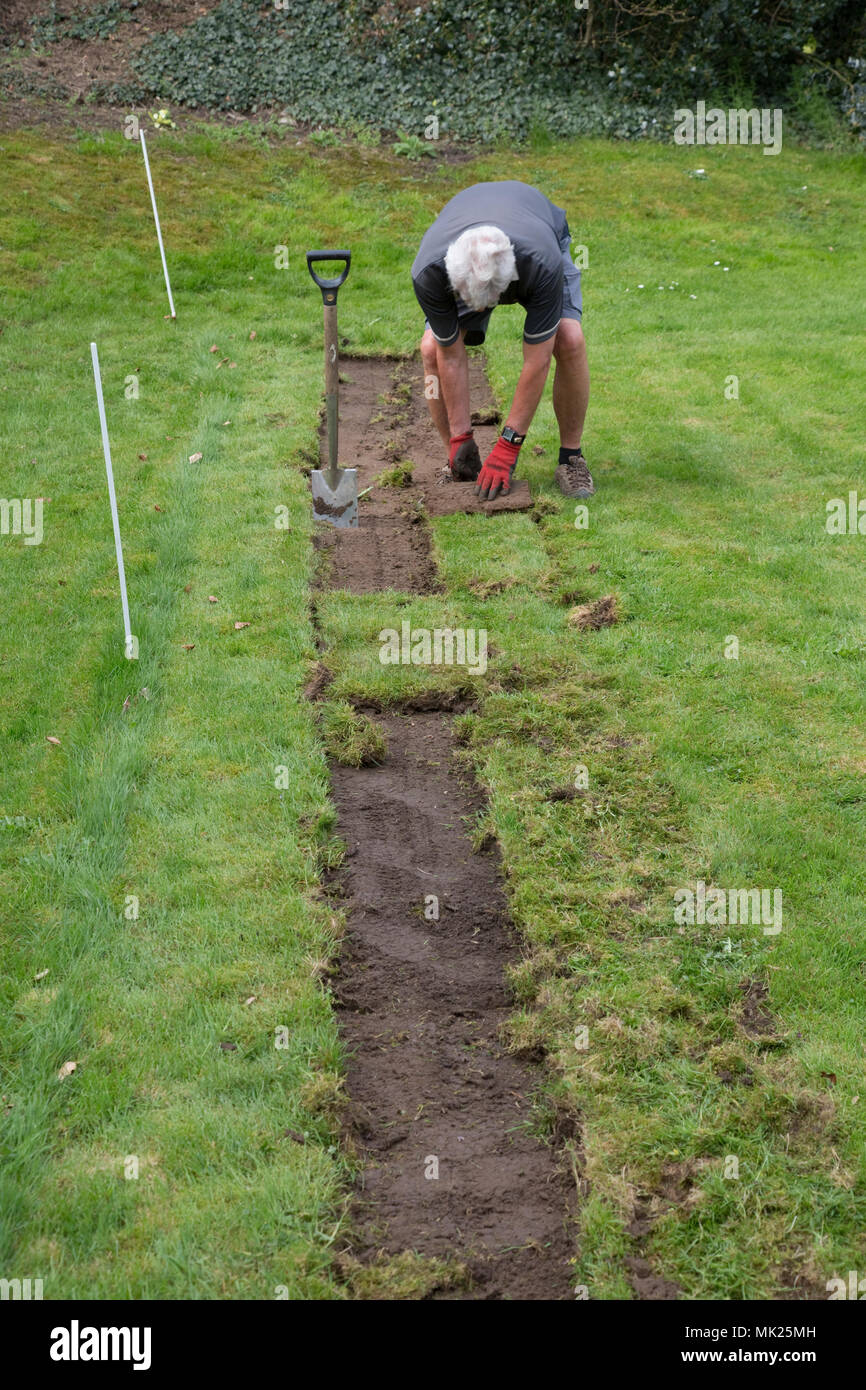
(156, 220)
(130, 643)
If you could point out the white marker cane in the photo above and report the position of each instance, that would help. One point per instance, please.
(130, 642)
(156, 220)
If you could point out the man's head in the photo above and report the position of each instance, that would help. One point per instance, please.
(480, 266)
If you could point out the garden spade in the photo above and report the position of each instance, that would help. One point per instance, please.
(335, 489)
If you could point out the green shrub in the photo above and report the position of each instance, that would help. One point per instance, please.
(413, 147)
(489, 69)
(326, 66)
(83, 24)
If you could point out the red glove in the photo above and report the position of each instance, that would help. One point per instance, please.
(496, 470)
(464, 459)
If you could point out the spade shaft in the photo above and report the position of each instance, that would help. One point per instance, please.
(335, 490)
(332, 391)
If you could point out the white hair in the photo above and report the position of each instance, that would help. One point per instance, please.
(480, 265)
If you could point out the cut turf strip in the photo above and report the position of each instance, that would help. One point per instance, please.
(438, 1111)
(420, 1004)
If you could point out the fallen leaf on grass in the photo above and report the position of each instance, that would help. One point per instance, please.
(125, 705)
(143, 457)
(237, 625)
(52, 739)
(195, 458)
(829, 1076)
(229, 1047)
(252, 335)
(251, 1000)
(214, 348)
(188, 646)
(295, 1135)
(66, 1070)
(212, 599)
(157, 507)
(40, 975)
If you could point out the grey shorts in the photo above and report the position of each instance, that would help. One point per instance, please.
(474, 322)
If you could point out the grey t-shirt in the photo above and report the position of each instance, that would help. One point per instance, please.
(535, 227)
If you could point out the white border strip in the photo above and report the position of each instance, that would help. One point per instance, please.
(156, 220)
(130, 642)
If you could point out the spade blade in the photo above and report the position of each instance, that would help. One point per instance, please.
(338, 506)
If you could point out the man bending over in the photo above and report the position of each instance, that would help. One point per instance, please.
(503, 243)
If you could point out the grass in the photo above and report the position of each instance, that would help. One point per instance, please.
(398, 476)
(350, 737)
(167, 870)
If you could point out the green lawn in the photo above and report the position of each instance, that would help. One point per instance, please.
(708, 523)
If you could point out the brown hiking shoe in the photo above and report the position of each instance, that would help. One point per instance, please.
(467, 463)
(573, 478)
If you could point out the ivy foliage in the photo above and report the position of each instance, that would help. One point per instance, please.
(500, 68)
(333, 64)
(99, 23)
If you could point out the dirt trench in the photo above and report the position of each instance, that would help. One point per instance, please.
(384, 427)
(439, 1111)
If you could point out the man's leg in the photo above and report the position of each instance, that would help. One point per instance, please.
(570, 400)
(446, 379)
(432, 387)
(570, 382)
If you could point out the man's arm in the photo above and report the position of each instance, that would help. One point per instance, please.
(530, 385)
(496, 471)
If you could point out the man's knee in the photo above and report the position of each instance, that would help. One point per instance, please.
(428, 351)
(569, 341)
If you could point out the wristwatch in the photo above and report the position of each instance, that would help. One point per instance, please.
(512, 437)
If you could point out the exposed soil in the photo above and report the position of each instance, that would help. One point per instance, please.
(649, 1286)
(604, 612)
(384, 423)
(796, 1285)
(55, 82)
(676, 1188)
(422, 999)
(79, 64)
(421, 1005)
(756, 1018)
